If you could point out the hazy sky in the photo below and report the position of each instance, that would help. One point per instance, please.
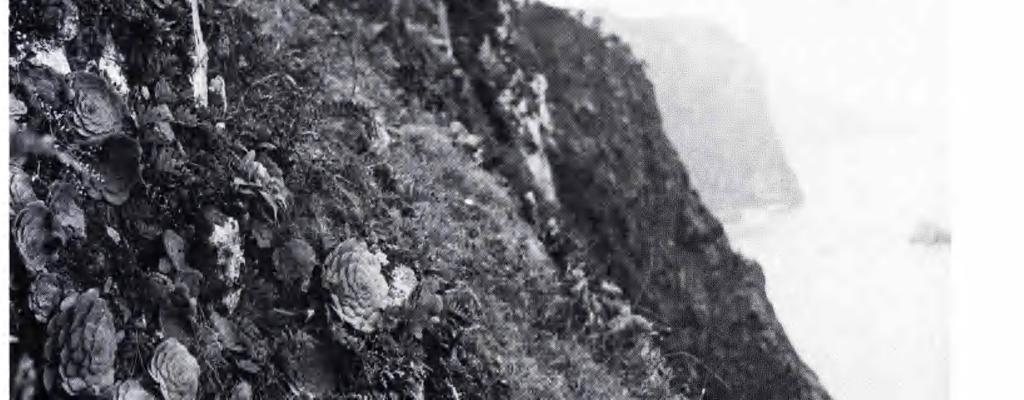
(881, 58)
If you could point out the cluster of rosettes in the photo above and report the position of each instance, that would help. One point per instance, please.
(81, 345)
(98, 117)
(352, 274)
(38, 236)
(294, 262)
(175, 370)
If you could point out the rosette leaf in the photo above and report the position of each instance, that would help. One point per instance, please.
(81, 345)
(38, 236)
(118, 168)
(96, 109)
(175, 370)
(352, 274)
(66, 210)
(43, 87)
(21, 189)
(45, 295)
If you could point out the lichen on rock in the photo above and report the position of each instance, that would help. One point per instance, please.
(175, 370)
(227, 242)
(81, 345)
(525, 103)
(403, 284)
(218, 89)
(352, 274)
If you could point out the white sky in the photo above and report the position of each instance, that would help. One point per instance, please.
(880, 58)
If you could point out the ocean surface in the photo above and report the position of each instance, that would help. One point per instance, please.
(864, 306)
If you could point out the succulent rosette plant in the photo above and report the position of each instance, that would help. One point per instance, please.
(96, 109)
(175, 370)
(352, 274)
(21, 188)
(65, 207)
(118, 168)
(81, 345)
(45, 295)
(38, 236)
(43, 87)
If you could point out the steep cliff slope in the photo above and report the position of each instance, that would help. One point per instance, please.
(713, 103)
(624, 188)
(302, 199)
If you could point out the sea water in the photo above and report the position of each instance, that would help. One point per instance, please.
(865, 307)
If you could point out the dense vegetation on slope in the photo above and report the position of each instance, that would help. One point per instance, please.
(244, 248)
(308, 91)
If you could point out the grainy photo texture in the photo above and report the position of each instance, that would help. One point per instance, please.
(486, 199)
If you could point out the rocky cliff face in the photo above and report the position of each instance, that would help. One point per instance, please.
(412, 199)
(623, 187)
(713, 105)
